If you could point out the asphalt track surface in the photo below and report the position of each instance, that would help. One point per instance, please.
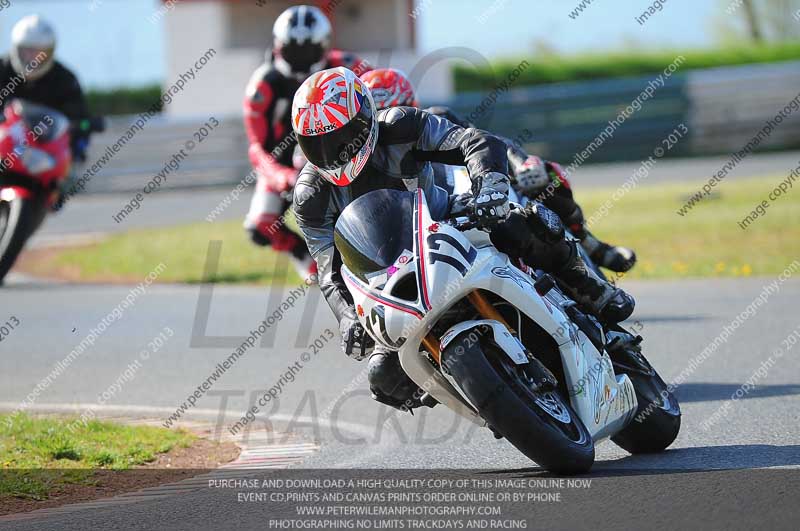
(738, 473)
(760, 430)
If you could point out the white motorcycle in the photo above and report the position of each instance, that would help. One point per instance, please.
(499, 344)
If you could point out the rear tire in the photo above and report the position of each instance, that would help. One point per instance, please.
(18, 220)
(658, 416)
(541, 425)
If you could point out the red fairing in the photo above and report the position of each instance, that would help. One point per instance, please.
(18, 142)
(559, 171)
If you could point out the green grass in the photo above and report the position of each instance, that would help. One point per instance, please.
(706, 242)
(557, 68)
(39, 454)
(184, 252)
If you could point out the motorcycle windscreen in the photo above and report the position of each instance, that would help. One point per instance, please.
(374, 230)
(44, 123)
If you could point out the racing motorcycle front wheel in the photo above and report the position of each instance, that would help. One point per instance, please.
(535, 419)
(19, 218)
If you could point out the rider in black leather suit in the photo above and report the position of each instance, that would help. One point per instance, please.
(531, 177)
(395, 151)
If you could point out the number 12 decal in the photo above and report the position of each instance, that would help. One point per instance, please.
(469, 254)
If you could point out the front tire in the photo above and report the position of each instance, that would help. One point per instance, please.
(540, 424)
(18, 220)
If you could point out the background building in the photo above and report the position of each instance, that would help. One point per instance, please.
(382, 31)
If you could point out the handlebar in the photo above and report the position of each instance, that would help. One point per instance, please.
(464, 223)
(468, 220)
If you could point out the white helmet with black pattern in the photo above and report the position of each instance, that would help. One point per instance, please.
(301, 38)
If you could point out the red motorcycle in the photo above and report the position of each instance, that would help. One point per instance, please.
(35, 161)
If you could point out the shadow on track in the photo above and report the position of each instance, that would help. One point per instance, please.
(670, 318)
(707, 392)
(684, 461)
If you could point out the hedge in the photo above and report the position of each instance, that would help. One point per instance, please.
(123, 100)
(553, 68)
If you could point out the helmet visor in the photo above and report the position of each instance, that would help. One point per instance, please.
(33, 58)
(301, 56)
(336, 148)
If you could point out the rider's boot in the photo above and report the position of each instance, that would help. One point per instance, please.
(609, 303)
(614, 257)
(535, 234)
(389, 383)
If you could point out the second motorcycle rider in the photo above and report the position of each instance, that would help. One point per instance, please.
(301, 46)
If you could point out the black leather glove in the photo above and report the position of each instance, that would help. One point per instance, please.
(462, 205)
(491, 201)
(356, 342)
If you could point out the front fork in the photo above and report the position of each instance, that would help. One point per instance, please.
(484, 308)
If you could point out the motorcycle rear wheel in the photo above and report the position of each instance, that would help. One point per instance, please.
(658, 416)
(18, 220)
(541, 425)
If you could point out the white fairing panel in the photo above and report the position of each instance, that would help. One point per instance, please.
(447, 265)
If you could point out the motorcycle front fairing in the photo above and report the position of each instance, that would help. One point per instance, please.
(439, 265)
(34, 147)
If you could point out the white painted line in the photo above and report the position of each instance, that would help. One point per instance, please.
(49, 241)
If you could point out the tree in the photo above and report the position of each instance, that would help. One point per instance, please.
(753, 20)
(759, 20)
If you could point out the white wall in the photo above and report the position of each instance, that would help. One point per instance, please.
(240, 32)
(191, 29)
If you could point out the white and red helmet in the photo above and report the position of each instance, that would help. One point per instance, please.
(390, 88)
(333, 116)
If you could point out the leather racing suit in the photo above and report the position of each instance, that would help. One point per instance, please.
(553, 190)
(409, 141)
(267, 121)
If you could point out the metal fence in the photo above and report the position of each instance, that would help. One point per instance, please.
(220, 158)
(730, 105)
(722, 108)
(562, 119)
